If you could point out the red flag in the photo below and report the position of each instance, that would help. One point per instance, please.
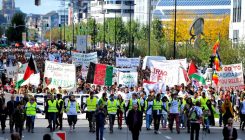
(192, 69)
(100, 73)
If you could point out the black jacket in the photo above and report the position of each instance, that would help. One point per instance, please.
(11, 105)
(226, 134)
(131, 122)
(19, 116)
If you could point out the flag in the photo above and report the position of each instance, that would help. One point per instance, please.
(30, 69)
(217, 62)
(193, 74)
(216, 46)
(184, 72)
(215, 78)
(100, 74)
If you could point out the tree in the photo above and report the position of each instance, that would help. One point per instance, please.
(14, 32)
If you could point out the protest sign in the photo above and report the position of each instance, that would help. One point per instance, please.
(127, 62)
(168, 72)
(129, 79)
(12, 71)
(231, 76)
(60, 75)
(156, 86)
(147, 59)
(84, 58)
(81, 43)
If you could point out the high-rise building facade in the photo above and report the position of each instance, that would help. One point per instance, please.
(237, 21)
(8, 9)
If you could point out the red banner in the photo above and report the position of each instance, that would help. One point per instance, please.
(99, 75)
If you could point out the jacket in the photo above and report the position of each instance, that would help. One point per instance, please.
(19, 116)
(130, 120)
(100, 115)
(11, 106)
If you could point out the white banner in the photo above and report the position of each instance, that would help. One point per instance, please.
(129, 79)
(12, 71)
(231, 76)
(60, 75)
(156, 86)
(168, 72)
(147, 59)
(84, 58)
(33, 80)
(81, 43)
(127, 62)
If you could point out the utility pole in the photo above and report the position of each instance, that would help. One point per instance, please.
(64, 21)
(115, 34)
(149, 28)
(175, 15)
(130, 31)
(73, 34)
(103, 24)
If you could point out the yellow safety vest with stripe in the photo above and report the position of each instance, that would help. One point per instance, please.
(69, 105)
(102, 101)
(203, 101)
(91, 105)
(52, 106)
(194, 100)
(121, 104)
(59, 104)
(31, 109)
(157, 105)
(131, 104)
(112, 106)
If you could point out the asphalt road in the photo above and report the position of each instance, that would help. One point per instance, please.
(81, 133)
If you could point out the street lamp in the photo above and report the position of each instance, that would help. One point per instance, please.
(175, 16)
(130, 29)
(115, 34)
(149, 28)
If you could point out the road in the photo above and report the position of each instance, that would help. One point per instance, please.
(81, 133)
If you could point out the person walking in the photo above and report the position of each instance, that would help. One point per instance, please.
(112, 107)
(3, 117)
(60, 111)
(229, 132)
(91, 103)
(195, 118)
(227, 110)
(52, 111)
(31, 110)
(174, 112)
(19, 118)
(242, 113)
(148, 111)
(72, 109)
(100, 115)
(11, 106)
(120, 110)
(134, 121)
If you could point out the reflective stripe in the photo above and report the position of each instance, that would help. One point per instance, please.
(52, 106)
(69, 104)
(31, 109)
(59, 101)
(112, 108)
(91, 106)
(131, 104)
(157, 105)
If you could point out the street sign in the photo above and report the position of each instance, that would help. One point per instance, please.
(61, 135)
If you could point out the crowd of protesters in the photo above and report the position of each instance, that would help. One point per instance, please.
(188, 106)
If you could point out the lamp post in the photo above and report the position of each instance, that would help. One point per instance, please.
(115, 34)
(149, 28)
(175, 15)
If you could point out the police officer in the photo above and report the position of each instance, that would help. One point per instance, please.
(52, 110)
(91, 104)
(112, 106)
(60, 111)
(31, 108)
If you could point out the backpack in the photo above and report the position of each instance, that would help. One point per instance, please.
(193, 115)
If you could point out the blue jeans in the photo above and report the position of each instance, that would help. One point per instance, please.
(99, 132)
(148, 120)
(220, 119)
(206, 122)
(30, 122)
(164, 120)
(52, 120)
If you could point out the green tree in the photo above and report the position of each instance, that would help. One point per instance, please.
(15, 33)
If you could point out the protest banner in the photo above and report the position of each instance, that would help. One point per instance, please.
(12, 71)
(81, 43)
(168, 72)
(127, 62)
(129, 79)
(60, 75)
(156, 86)
(147, 59)
(231, 76)
(84, 58)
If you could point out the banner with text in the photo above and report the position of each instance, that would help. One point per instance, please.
(231, 76)
(84, 58)
(168, 72)
(129, 79)
(12, 72)
(60, 75)
(127, 62)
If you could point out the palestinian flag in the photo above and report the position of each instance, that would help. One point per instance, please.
(193, 74)
(100, 74)
(30, 69)
(184, 72)
(215, 78)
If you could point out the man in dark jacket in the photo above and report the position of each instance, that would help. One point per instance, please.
(100, 115)
(19, 118)
(3, 116)
(11, 106)
(134, 121)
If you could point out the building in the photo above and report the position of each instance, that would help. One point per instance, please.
(51, 19)
(141, 11)
(237, 21)
(8, 9)
(33, 21)
(112, 9)
(164, 9)
(63, 16)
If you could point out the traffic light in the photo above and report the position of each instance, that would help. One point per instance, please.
(37, 2)
(211, 61)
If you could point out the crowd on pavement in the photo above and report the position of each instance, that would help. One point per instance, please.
(190, 108)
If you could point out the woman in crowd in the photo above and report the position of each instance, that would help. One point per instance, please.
(227, 110)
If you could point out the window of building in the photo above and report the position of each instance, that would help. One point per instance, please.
(237, 10)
